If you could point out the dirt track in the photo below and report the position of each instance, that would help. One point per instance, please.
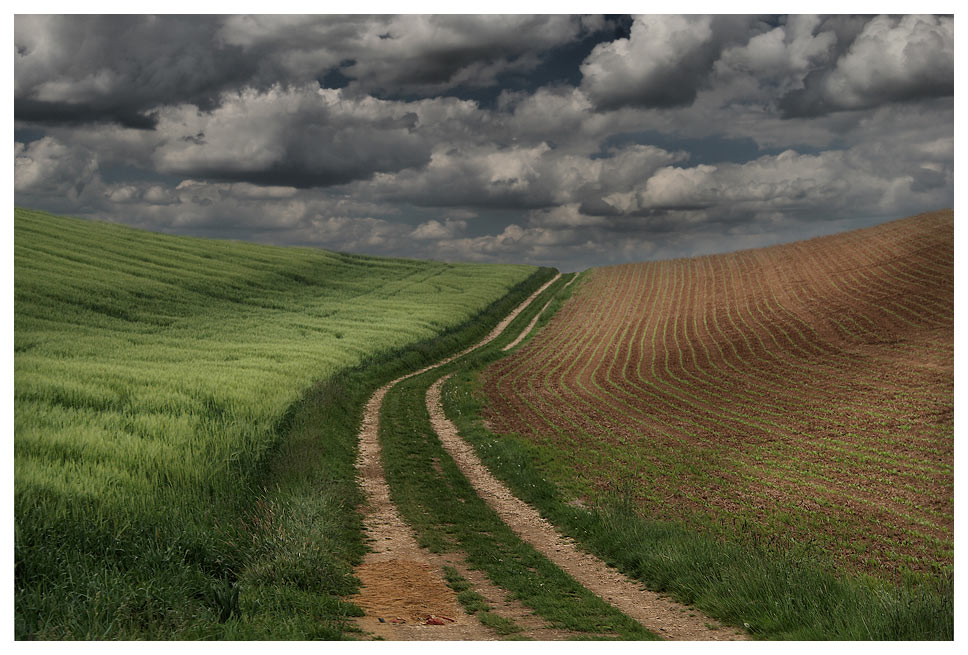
(402, 583)
(534, 321)
(661, 615)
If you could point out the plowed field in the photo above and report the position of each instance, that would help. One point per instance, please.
(799, 395)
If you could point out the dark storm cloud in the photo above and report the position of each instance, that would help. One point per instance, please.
(76, 69)
(72, 113)
(432, 54)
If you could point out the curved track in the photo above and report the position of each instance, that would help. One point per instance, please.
(401, 582)
(404, 584)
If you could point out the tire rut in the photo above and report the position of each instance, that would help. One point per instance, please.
(527, 330)
(662, 615)
(402, 583)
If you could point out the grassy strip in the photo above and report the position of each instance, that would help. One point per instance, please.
(475, 604)
(775, 595)
(447, 514)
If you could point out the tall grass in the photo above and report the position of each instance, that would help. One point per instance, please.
(154, 376)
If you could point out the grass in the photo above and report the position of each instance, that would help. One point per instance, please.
(773, 593)
(476, 604)
(185, 431)
(178, 474)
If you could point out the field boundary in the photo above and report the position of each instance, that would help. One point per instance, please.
(728, 570)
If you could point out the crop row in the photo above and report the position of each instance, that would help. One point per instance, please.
(818, 371)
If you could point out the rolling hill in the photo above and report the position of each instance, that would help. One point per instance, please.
(799, 396)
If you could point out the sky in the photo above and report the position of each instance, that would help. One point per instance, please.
(563, 140)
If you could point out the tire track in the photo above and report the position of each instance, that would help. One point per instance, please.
(661, 615)
(399, 579)
(526, 331)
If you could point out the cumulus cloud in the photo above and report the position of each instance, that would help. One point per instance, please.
(122, 69)
(404, 54)
(79, 69)
(780, 58)
(435, 230)
(663, 63)
(833, 181)
(48, 167)
(301, 137)
(428, 54)
(520, 177)
(682, 135)
(892, 60)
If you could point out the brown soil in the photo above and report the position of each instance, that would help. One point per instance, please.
(661, 615)
(397, 589)
(399, 583)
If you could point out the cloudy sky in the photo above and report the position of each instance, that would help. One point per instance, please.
(570, 141)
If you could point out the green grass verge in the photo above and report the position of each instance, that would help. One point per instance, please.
(176, 473)
(308, 526)
(474, 603)
(775, 595)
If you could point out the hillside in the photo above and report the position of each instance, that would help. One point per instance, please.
(155, 378)
(797, 398)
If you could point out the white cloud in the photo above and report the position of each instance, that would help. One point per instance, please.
(663, 63)
(434, 229)
(892, 60)
(782, 56)
(301, 137)
(537, 177)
